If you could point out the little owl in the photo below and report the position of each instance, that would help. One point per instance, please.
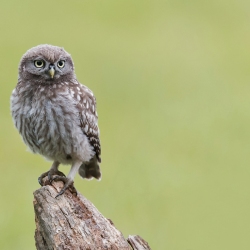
(56, 115)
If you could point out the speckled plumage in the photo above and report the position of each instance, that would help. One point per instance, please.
(56, 115)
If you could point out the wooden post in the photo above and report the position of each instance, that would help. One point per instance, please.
(74, 223)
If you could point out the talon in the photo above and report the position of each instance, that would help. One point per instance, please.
(60, 193)
(71, 188)
(40, 178)
(49, 174)
(40, 181)
(68, 184)
(59, 178)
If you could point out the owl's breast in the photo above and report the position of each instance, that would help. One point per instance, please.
(50, 125)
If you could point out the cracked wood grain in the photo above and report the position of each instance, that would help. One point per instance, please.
(69, 222)
(137, 243)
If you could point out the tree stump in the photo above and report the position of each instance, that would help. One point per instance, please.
(72, 222)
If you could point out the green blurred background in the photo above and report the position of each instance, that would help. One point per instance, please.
(172, 82)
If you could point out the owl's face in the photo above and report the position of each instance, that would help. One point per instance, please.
(46, 68)
(46, 63)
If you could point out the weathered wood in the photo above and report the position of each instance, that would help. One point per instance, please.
(70, 222)
(138, 243)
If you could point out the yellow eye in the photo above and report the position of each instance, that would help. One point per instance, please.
(39, 63)
(61, 64)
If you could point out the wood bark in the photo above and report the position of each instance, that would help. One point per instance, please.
(73, 222)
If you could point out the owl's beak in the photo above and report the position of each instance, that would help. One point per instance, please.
(52, 71)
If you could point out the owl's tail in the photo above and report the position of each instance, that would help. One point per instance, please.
(90, 169)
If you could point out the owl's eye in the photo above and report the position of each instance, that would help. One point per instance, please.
(39, 63)
(61, 64)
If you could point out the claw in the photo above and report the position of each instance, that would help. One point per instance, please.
(57, 173)
(49, 173)
(40, 178)
(68, 184)
(40, 181)
(61, 192)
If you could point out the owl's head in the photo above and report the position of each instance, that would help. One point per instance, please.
(46, 63)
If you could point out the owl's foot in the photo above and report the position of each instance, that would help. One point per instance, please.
(50, 174)
(68, 184)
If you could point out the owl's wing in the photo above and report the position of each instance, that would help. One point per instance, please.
(86, 104)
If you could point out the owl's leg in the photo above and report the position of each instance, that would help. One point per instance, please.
(53, 171)
(69, 180)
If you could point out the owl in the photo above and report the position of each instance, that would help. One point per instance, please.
(56, 115)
